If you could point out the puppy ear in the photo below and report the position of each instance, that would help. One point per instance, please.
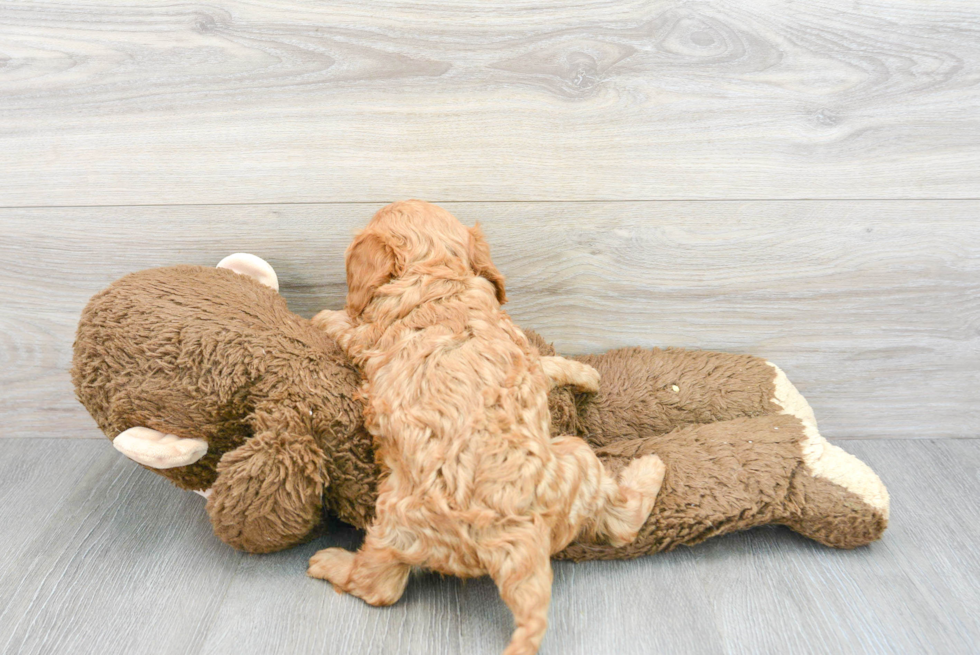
(370, 263)
(483, 265)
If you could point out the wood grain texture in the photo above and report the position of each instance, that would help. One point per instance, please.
(914, 591)
(117, 564)
(272, 608)
(872, 308)
(123, 563)
(30, 492)
(124, 102)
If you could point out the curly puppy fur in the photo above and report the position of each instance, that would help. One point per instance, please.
(457, 402)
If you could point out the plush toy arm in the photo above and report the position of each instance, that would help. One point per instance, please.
(269, 492)
(649, 392)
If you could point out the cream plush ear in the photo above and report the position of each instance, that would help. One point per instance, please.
(252, 266)
(158, 450)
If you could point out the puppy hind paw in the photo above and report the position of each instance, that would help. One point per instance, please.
(640, 482)
(333, 565)
(645, 475)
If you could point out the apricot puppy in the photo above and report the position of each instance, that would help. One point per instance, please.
(456, 400)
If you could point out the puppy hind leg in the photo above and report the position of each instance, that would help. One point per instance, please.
(376, 574)
(628, 507)
(333, 565)
(619, 507)
(522, 573)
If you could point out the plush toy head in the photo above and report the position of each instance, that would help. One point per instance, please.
(216, 357)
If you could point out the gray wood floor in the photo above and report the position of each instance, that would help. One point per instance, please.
(100, 556)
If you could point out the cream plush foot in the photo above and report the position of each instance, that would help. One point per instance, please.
(824, 459)
(252, 266)
(158, 450)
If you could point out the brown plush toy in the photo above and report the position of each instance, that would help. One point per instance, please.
(205, 377)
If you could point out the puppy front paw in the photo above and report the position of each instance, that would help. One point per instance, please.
(564, 372)
(333, 565)
(333, 322)
(587, 379)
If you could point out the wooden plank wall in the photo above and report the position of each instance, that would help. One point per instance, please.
(799, 181)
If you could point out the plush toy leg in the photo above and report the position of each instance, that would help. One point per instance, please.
(733, 475)
(252, 266)
(721, 477)
(825, 460)
(832, 515)
(651, 392)
(269, 491)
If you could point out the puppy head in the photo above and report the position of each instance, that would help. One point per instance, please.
(415, 236)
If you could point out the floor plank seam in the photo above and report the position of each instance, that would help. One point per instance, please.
(533, 201)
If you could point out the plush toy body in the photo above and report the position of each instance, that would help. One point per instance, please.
(217, 359)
